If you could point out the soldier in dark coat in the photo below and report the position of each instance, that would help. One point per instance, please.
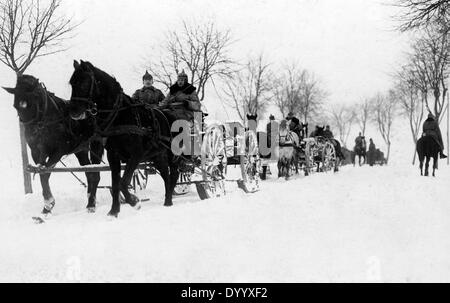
(182, 100)
(431, 128)
(371, 156)
(327, 133)
(148, 94)
(294, 125)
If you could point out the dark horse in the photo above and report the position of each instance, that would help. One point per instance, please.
(51, 134)
(427, 148)
(134, 133)
(360, 151)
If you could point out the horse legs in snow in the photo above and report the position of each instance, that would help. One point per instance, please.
(163, 169)
(125, 181)
(421, 167)
(114, 165)
(427, 164)
(435, 164)
(92, 181)
(49, 201)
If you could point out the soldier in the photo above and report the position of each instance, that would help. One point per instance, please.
(294, 124)
(371, 155)
(431, 128)
(327, 133)
(182, 100)
(148, 94)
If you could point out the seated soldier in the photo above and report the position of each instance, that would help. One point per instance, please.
(431, 128)
(148, 94)
(182, 100)
(294, 124)
(327, 133)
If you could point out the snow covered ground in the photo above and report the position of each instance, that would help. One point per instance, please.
(363, 224)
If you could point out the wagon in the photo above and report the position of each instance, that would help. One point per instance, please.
(318, 154)
(223, 146)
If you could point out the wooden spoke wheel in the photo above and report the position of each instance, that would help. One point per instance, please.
(213, 164)
(184, 187)
(250, 164)
(329, 159)
(310, 157)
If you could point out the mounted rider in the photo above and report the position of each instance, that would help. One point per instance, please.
(148, 94)
(360, 142)
(431, 128)
(182, 100)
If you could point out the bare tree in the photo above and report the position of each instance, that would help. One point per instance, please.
(385, 109)
(299, 91)
(29, 30)
(201, 49)
(412, 101)
(248, 91)
(287, 89)
(362, 113)
(343, 118)
(431, 60)
(421, 13)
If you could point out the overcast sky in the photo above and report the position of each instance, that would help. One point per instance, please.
(349, 44)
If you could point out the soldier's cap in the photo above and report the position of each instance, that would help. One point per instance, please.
(147, 76)
(182, 75)
(272, 117)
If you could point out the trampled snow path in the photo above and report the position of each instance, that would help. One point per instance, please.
(362, 224)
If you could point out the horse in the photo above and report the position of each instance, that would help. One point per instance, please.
(267, 137)
(288, 154)
(51, 134)
(427, 148)
(360, 151)
(134, 133)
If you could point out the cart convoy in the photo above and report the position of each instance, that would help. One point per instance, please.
(142, 138)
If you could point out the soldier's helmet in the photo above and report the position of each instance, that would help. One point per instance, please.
(183, 75)
(147, 76)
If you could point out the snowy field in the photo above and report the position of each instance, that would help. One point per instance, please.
(379, 224)
(364, 224)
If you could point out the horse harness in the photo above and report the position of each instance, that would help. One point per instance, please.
(41, 113)
(106, 129)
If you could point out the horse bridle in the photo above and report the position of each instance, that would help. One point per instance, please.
(91, 105)
(41, 114)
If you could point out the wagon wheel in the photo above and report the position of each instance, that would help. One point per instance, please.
(213, 164)
(250, 164)
(182, 189)
(309, 157)
(329, 160)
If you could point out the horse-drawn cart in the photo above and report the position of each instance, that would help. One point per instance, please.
(223, 145)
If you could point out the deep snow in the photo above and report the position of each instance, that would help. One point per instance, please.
(362, 224)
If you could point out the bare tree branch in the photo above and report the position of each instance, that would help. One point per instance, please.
(248, 91)
(201, 49)
(29, 30)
